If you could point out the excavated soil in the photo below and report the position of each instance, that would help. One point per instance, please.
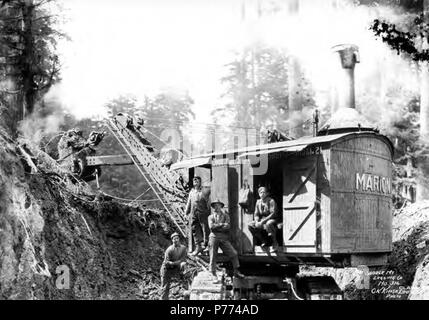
(411, 248)
(51, 223)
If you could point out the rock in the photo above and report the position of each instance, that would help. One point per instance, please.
(420, 286)
(411, 253)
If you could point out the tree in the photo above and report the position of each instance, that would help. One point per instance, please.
(404, 132)
(258, 89)
(29, 35)
(169, 110)
(166, 110)
(295, 92)
(411, 40)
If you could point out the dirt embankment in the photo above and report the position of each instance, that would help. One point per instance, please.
(410, 255)
(52, 225)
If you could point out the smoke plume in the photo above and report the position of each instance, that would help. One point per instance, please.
(45, 121)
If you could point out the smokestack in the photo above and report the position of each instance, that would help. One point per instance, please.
(345, 118)
(348, 55)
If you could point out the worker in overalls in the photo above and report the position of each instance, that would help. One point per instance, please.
(219, 224)
(198, 210)
(173, 264)
(264, 227)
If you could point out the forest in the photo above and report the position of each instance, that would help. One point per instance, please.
(259, 92)
(270, 83)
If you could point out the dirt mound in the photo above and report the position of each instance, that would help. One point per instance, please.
(410, 255)
(60, 240)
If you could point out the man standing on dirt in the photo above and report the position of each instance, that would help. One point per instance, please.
(198, 210)
(173, 264)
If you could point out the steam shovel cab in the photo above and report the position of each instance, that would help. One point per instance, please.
(334, 193)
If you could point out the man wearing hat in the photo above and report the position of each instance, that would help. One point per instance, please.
(219, 224)
(173, 264)
(198, 210)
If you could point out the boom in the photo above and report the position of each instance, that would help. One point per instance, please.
(164, 182)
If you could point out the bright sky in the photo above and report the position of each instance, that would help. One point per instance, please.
(142, 46)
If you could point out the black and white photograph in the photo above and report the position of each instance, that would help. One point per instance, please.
(232, 151)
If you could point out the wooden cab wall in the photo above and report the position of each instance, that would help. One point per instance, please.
(361, 202)
(228, 177)
(337, 197)
(301, 210)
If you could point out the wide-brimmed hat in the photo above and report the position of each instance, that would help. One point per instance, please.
(175, 234)
(217, 201)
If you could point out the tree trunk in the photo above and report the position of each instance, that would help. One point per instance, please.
(295, 98)
(423, 161)
(295, 86)
(10, 113)
(29, 88)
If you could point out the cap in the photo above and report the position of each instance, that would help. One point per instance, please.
(175, 234)
(217, 201)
